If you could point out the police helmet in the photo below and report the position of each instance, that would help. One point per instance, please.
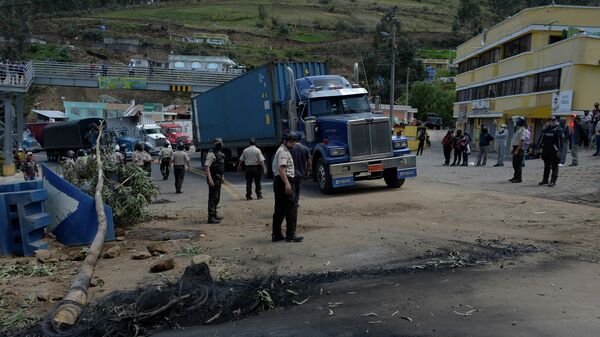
(80, 153)
(166, 144)
(289, 137)
(117, 148)
(139, 146)
(218, 140)
(252, 141)
(180, 146)
(70, 154)
(520, 121)
(147, 147)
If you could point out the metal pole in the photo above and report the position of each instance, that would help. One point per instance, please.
(393, 70)
(407, 73)
(8, 142)
(20, 124)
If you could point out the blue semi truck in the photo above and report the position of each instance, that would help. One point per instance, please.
(348, 141)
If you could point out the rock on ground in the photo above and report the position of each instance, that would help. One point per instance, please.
(112, 252)
(141, 255)
(158, 247)
(162, 265)
(42, 255)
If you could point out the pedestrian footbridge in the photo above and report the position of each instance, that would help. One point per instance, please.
(114, 76)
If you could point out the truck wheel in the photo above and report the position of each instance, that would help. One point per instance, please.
(323, 177)
(391, 178)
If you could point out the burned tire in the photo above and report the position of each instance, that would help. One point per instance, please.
(323, 177)
(391, 178)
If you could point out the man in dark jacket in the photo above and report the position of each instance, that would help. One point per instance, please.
(550, 143)
(215, 167)
(484, 143)
(447, 145)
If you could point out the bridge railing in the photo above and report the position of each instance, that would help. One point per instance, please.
(15, 76)
(156, 75)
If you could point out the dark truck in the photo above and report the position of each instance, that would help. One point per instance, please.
(58, 138)
(348, 141)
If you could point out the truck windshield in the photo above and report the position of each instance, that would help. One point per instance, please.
(339, 105)
(152, 131)
(172, 130)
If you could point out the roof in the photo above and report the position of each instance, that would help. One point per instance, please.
(51, 113)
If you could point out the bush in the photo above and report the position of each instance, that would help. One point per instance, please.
(127, 188)
(284, 28)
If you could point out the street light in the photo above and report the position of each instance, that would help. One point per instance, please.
(393, 66)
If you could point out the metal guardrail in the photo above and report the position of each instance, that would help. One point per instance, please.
(81, 71)
(13, 77)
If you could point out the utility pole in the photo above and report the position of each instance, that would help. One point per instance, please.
(393, 68)
(407, 73)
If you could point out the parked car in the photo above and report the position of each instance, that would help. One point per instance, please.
(434, 121)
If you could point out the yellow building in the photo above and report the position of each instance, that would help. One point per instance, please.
(540, 62)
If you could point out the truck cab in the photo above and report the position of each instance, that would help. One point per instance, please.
(348, 141)
(152, 134)
(174, 134)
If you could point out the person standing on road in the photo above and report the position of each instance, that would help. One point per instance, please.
(254, 163)
(577, 138)
(550, 143)
(422, 138)
(597, 135)
(116, 156)
(447, 146)
(285, 207)
(527, 143)
(566, 136)
(457, 149)
(302, 164)
(484, 143)
(518, 141)
(586, 121)
(466, 148)
(164, 158)
(501, 139)
(180, 161)
(30, 168)
(137, 157)
(147, 160)
(595, 118)
(215, 167)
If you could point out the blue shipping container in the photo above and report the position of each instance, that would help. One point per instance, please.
(250, 106)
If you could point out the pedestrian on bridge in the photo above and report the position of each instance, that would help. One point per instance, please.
(164, 158)
(180, 161)
(215, 167)
(254, 165)
(104, 68)
(92, 69)
(131, 68)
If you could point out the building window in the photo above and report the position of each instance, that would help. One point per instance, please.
(517, 46)
(555, 38)
(196, 65)
(549, 80)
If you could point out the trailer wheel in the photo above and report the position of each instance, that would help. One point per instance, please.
(391, 178)
(323, 177)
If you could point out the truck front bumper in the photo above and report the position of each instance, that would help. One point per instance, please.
(345, 174)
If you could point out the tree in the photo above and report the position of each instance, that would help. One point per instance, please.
(377, 61)
(467, 21)
(501, 9)
(15, 27)
(262, 12)
(435, 97)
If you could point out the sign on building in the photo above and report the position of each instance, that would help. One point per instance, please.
(562, 102)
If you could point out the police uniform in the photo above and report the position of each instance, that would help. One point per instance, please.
(550, 143)
(253, 159)
(137, 158)
(518, 158)
(180, 159)
(165, 161)
(215, 162)
(285, 206)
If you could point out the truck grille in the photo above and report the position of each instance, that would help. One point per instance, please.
(370, 139)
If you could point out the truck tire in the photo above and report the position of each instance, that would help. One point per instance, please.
(323, 177)
(391, 178)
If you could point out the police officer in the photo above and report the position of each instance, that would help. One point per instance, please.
(165, 160)
(518, 142)
(180, 161)
(550, 143)
(215, 166)
(137, 158)
(285, 206)
(254, 163)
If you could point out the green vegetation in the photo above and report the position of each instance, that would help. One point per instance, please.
(312, 37)
(435, 97)
(436, 53)
(48, 52)
(28, 270)
(190, 250)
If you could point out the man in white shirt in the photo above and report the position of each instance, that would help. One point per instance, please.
(518, 141)
(254, 163)
(285, 206)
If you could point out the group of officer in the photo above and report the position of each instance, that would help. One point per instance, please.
(550, 143)
(291, 163)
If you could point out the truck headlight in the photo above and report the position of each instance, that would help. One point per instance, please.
(399, 144)
(337, 151)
